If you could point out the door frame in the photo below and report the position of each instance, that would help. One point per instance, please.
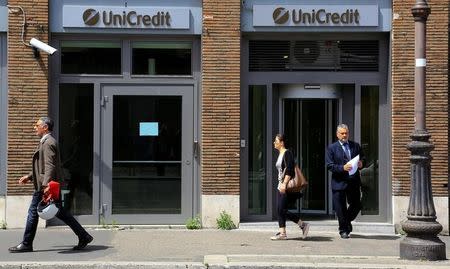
(108, 92)
(327, 92)
(269, 79)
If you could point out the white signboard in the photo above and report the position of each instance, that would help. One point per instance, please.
(116, 17)
(315, 15)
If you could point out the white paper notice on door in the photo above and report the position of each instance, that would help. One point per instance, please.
(148, 129)
(354, 162)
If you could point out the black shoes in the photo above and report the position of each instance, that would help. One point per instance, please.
(344, 235)
(83, 242)
(20, 248)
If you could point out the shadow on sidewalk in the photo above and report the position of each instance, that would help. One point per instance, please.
(313, 238)
(69, 250)
(375, 237)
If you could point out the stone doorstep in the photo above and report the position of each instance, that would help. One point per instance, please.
(330, 226)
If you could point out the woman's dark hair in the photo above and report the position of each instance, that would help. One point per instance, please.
(282, 138)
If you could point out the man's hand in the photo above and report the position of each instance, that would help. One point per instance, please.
(24, 179)
(347, 167)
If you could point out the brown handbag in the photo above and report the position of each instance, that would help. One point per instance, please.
(297, 183)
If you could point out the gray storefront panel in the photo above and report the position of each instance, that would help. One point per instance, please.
(131, 17)
(3, 16)
(3, 113)
(323, 16)
(3, 94)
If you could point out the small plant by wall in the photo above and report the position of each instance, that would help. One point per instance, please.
(194, 223)
(224, 221)
(3, 225)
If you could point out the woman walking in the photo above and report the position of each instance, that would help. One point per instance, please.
(286, 170)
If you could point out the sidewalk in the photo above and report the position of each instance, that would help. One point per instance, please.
(207, 248)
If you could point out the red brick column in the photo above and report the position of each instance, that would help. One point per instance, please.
(403, 63)
(27, 88)
(221, 45)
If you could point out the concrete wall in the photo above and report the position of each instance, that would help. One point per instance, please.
(213, 205)
(400, 210)
(2, 210)
(17, 211)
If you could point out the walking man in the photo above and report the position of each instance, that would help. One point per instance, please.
(346, 188)
(46, 167)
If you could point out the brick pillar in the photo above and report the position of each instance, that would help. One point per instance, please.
(221, 45)
(27, 89)
(403, 63)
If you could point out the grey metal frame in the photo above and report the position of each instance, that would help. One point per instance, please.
(3, 113)
(324, 94)
(186, 153)
(356, 78)
(125, 78)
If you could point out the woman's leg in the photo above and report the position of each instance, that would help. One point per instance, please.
(282, 208)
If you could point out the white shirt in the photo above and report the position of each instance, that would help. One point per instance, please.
(278, 165)
(345, 149)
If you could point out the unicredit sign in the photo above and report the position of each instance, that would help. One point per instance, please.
(91, 17)
(308, 15)
(111, 17)
(321, 16)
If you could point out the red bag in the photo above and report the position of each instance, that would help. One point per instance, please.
(53, 192)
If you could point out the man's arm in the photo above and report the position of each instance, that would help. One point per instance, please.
(25, 179)
(49, 153)
(330, 162)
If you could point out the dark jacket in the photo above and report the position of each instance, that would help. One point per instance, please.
(46, 163)
(335, 161)
(288, 163)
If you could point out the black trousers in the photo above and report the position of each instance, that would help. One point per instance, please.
(283, 199)
(351, 196)
(33, 219)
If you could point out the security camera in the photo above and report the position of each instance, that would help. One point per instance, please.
(42, 46)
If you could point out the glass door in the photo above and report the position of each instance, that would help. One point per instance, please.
(147, 154)
(308, 125)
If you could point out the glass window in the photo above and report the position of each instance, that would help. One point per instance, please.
(162, 58)
(257, 184)
(147, 138)
(369, 143)
(91, 57)
(76, 125)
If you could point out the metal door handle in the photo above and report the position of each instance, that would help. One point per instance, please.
(196, 148)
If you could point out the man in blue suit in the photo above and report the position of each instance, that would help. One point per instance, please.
(346, 188)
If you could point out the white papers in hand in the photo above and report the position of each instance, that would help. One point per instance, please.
(354, 162)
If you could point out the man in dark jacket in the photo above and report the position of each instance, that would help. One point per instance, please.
(346, 188)
(46, 167)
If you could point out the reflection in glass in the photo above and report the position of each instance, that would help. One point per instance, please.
(162, 58)
(91, 57)
(305, 127)
(146, 168)
(76, 144)
(313, 145)
(369, 143)
(257, 185)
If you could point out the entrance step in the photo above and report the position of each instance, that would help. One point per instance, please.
(329, 226)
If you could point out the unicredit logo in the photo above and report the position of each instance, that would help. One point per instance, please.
(91, 17)
(126, 18)
(280, 15)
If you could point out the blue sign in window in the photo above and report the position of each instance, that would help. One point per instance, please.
(148, 129)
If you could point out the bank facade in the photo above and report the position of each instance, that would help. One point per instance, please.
(164, 112)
